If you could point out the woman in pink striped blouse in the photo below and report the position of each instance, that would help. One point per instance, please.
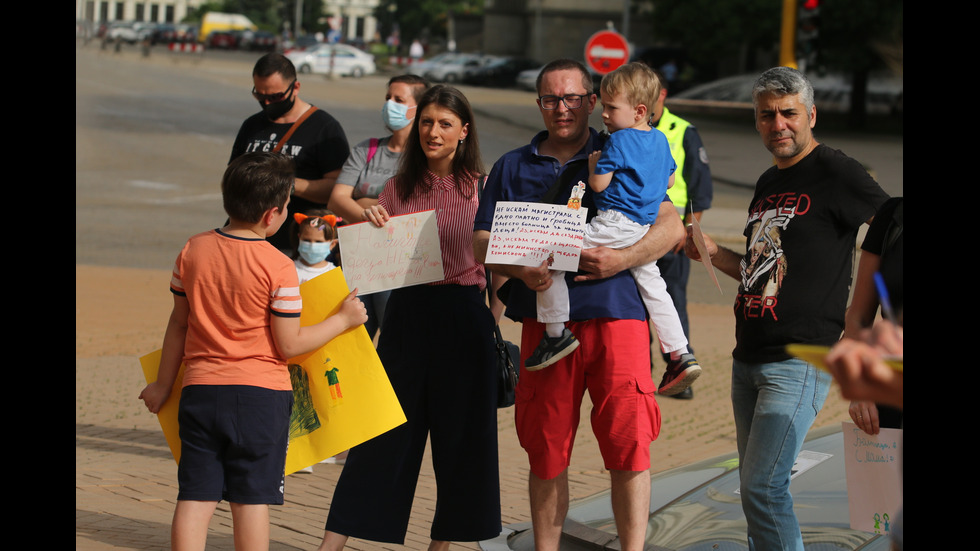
(437, 347)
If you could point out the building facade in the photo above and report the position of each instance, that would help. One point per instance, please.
(151, 11)
(354, 19)
(549, 29)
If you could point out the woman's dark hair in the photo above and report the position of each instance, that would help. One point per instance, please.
(419, 85)
(466, 166)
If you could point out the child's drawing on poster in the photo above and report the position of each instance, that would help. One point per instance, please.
(872, 464)
(527, 234)
(303, 419)
(402, 253)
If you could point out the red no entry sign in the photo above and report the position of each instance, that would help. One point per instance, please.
(606, 51)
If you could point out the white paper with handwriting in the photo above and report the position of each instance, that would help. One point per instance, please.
(527, 234)
(404, 252)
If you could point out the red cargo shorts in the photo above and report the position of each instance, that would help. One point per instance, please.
(612, 362)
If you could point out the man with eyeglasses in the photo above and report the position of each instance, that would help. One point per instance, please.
(317, 145)
(609, 317)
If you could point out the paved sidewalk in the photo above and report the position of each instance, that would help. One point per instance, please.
(125, 477)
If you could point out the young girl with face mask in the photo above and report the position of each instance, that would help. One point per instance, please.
(313, 239)
(371, 163)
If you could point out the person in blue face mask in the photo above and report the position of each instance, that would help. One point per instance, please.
(312, 239)
(371, 163)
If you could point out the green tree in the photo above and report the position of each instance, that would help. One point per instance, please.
(196, 15)
(261, 12)
(314, 18)
(852, 37)
(711, 31)
(422, 18)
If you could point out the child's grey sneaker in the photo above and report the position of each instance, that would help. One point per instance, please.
(680, 374)
(550, 350)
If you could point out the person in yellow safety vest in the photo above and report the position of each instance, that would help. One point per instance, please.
(691, 194)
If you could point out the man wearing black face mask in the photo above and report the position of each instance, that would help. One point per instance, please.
(313, 139)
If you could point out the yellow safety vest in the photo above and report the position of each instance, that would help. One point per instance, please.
(674, 127)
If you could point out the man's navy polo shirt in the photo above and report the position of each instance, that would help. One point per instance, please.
(524, 175)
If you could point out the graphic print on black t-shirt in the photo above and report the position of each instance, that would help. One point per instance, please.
(765, 264)
(259, 144)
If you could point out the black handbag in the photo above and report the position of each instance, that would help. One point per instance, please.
(508, 360)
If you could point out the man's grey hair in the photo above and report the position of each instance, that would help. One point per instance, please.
(784, 81)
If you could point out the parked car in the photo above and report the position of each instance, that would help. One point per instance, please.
(123, 31)
(452, 69)
(420, 68)
(144, 31)
(257, 41)
(831, 92)
(301, 43)
(164, 33)
(499, 72)
(222, 40)
(345, 60)
(697, 507)
(528, 79)
(185, 33)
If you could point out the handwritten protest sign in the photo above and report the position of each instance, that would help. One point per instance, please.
(402, 253)
(526, 234)
(874, 477)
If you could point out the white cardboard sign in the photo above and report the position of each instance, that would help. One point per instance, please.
(404, 252)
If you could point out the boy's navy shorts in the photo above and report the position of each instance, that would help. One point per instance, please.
(233, 443)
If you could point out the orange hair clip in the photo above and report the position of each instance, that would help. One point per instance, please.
(330, 219)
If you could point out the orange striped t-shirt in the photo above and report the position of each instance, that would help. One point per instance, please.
(233, 285)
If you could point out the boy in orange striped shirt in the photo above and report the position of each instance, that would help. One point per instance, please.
(235, 322)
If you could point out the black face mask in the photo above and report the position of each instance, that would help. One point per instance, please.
(276, 110)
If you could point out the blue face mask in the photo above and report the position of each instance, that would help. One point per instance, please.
(395, 115)
(313, 253)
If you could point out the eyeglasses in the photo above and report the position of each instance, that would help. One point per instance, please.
(571, 101)
(273, 98)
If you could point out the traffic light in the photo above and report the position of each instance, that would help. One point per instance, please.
(807, 33)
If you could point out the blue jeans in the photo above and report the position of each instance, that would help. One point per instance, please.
(775, 405)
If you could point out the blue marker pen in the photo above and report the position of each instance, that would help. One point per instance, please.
(886, 303)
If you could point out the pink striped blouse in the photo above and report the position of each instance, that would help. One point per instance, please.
(454, 220)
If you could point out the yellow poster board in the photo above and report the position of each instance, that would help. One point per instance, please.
(168, 413)
(342, 396)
